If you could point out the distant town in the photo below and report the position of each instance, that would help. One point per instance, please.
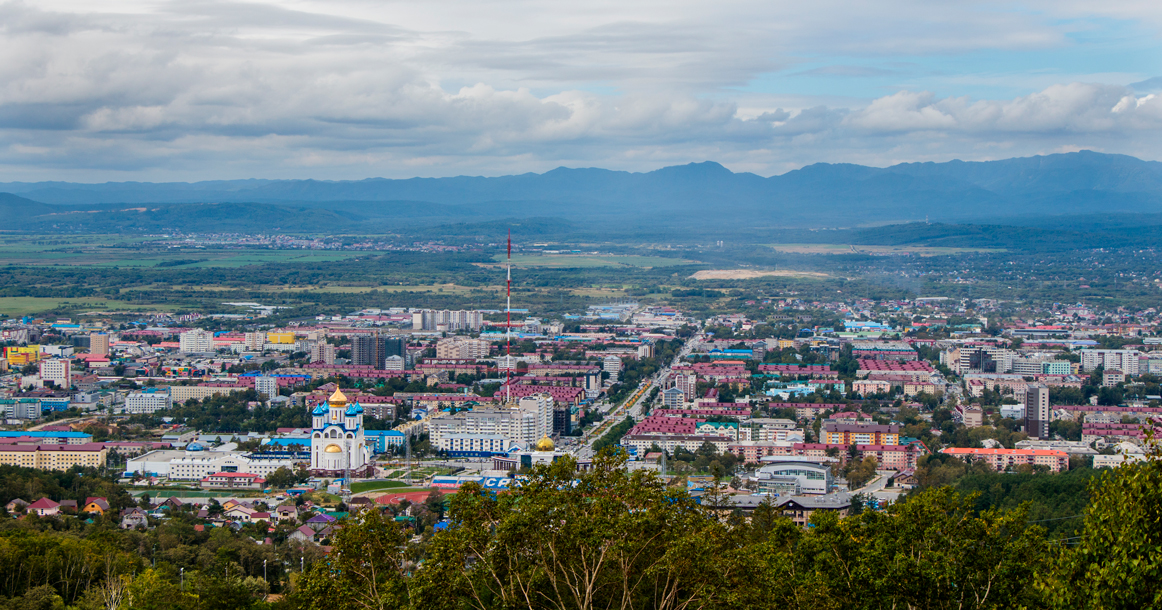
(777, 409)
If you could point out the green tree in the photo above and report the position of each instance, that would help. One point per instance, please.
(365, 569)
(599, 539)
(1119, 554)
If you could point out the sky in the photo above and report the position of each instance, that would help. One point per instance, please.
(349, 89)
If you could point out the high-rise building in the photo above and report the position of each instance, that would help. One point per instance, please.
(266, 386)
(99, 344)
(612, 365)
(196, 341)
(373, 350)
(489, 430)
(447, 320)
(58, 371)
(688, 383)
(1037, 411)
(323, 352)
(976, 359)
(1124, 360)
(462, 348)
(254, 342)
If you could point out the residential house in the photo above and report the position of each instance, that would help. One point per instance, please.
(239, 513)
(94, 505)
(800, 508)
(303, 534)
(132, 518)
(44, 507)
(287, 512)
(318, 522)
(15, 505)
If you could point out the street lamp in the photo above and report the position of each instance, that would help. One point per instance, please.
(183, 573)
(264, 570)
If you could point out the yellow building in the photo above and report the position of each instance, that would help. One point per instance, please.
(54, 457)
(280, 337)
(20, 356)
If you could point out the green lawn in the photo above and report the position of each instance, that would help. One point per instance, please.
(363, 486)
(17, 306)
(580, 261)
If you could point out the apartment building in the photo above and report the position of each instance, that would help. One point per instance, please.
(138, 403)
(523, 422)
(54, 457)
(1003, 459)
(1124, 360)
(462, 348)
(58, 371)
(196, 342)
(861, 434)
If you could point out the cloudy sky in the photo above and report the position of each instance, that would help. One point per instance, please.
(341, 89)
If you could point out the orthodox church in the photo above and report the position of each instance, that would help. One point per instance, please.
(337, 443)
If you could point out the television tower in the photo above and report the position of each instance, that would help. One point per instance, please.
(508, 324)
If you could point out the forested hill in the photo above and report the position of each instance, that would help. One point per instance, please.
(694, 195)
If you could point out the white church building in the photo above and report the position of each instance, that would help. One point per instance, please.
(337, 444)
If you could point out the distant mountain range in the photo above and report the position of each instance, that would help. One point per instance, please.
(696, 196)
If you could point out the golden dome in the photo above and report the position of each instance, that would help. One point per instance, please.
(333, 448)
(545, 444)
(337, 399)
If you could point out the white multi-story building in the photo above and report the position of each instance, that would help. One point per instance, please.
(612, 365)
(267, 386)
(58, 371)
(139, 403)
(394, 363)
(447, 320)
(196, 341)
(1124, 360)
(195, 464)
(462, 348)
(522, 423)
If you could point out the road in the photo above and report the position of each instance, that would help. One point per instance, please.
(635, 405)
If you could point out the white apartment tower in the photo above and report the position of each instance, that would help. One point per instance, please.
(58, 371)
(196, 341)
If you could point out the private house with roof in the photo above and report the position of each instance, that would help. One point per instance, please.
(44, 507)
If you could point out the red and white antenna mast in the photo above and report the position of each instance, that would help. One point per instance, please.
(508, 324)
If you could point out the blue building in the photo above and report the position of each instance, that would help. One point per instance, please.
(57, 438)
(382, 441)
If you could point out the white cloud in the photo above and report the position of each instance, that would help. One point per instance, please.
(352, 88)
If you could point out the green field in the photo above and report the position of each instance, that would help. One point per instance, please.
(864, 249)
(117, 251)
(364, 486)
(193, 493)
(582, 261)
(15, 306)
